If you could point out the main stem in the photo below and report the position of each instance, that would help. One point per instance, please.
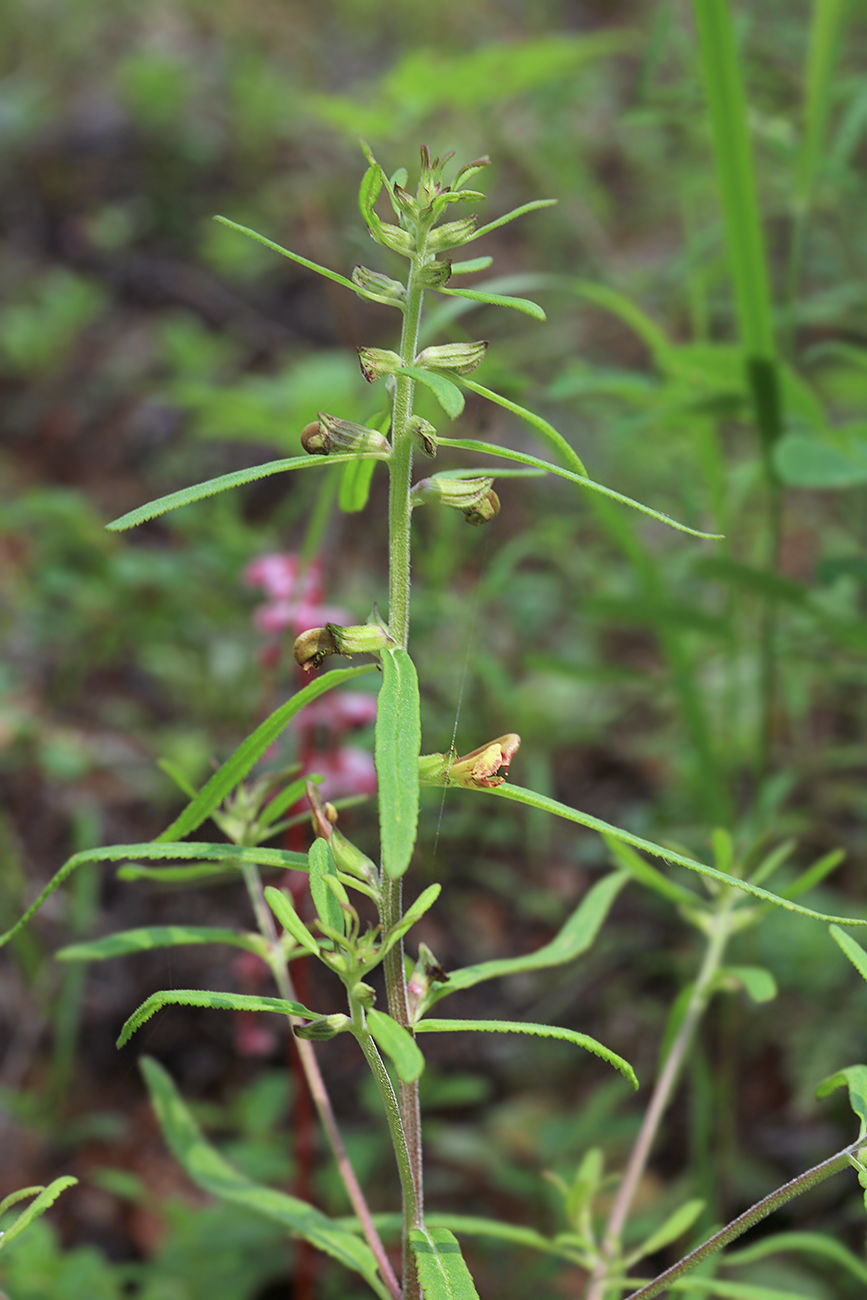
(399, 514)
(662, 1094)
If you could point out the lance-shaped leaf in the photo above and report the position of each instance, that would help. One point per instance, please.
(223, 853)
(209, 998)
(491, 449)
(510, 216)
(674, 1226)
(573, 939)
(328, 908)
(281, 905)
(412, 914)
(758, 983)
(525, 305)
(285, 252)
(398, 741)
(538, 1031)
(548, 432)
(808, 1243)
(45, 1198)
(853, 950)
(156, 936)
(397, 1044)
(449, 396)
(251, 750)
(208, 1170)
(199, 491)
(648, 876)
(533, 800)
(442, 1272)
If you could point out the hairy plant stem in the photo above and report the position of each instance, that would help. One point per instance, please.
(318, 1091)
(753, 1215)
(662, 1094)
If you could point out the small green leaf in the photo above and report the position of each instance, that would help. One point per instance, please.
(283, 800)
(328, 909)
(474, 264)
(674, 1226)
(524, 305)
(539, 1031)
(510, 216)
(398, 742)
(208, 998)
(576, 936)
(398, 1045)
(44, 1200)
(449, 396)
(284, 252)
(807, 462)
(853, 1077)
(155, 936)
(355, 484)
(281, 905)
(758, 983)
(548, 432)
(853, 950)
(214, 1175)
(442, 1272)
(412, 914)
(646, 875)
(810, 1243)
(199, 491)
(491, 449)
(251, 750)
(814, 874)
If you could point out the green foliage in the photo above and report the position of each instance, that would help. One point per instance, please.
(398, 741)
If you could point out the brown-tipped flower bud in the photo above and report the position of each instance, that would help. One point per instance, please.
(466, 494)
(377, 287)
(460, 358)
(323, 1027)
(423, 434)
(477, 770)
(433, 275)
(451, 235)
(365, 994)
(377, 362)
(485, 511)
(313, 646)
(329, 434)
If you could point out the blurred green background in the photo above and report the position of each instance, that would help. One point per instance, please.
(143, 347)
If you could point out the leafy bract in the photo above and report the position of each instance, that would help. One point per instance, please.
(209, 998)
(491, 449)
(398, 741)
(543, 802)
(571, 457)
(539, 1031)
(442, 1272)
(156, 936)
(398, 1045)
(758, 983)
(853, 950)
(412, 914)
(449, 396)
(674, 1226)
(227, 853)
(282, 907)
(208, 1170)
(649, 876)
(199, 491)
(525, 305)
(251, 750)
(322, 865)
(45, 1198)
(575, 937)
(285, 252)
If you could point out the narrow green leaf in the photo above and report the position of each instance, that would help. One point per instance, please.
(510, 216)
(674, 1226)
(648, 876)
(575, 937)
(398, 1045)
(601, 295)
(398, 742)
(208, 998)
(281, 905)
(474, 264)
(355, 484)
(156, 936)
(491, 449)
(199, 491)
(412, 914)
(46, 1198)
(245, 757)
(524, 305)
(469, 1225)
(826, 30)
(853, 950)
(533, 800)
(205, 871)
(539, 1031)
(809, 1243)
(284, 799)
(814, 874)
(284, 252)
(322, 864)
(449, 396)
(209, 1171)
(442, 1272)
(120, 852)
(180, 778)
(548, 432)
(22, 1194)
(758, 983)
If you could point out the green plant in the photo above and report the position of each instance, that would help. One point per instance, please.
(735, 897)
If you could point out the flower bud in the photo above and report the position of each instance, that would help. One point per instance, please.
(467, 494)
(378, 288)
(433, 275)
(427, 971)
(395, 238)
(313, 646)
(376, 362)
(423, 434)
(451, 235)
(323, 1028)
(461, 358)
(485, 511)
(329, 434)
(365, 994)
(351, 860)
(478, 770)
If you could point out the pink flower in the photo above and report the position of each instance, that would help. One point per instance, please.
(345, 771)
(339, 710)
(277, 574)
(299, 616)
